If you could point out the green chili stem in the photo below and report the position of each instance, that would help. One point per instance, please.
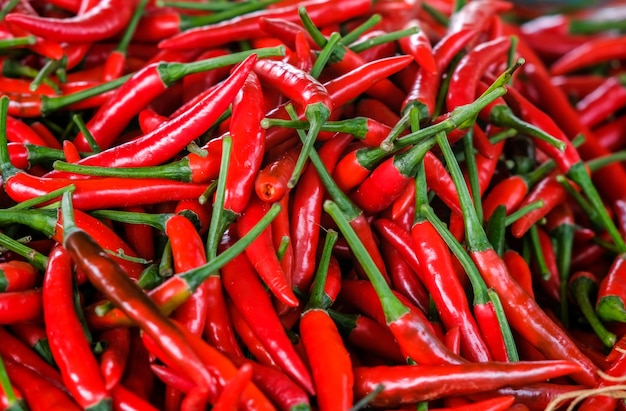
(544, 271)
(42, 199)
(564, 241)
(502, 116)
(166, 268)
(324, 56)
(584, 204)
(358, 31)
(581, 287)
(216, 228)
(599, 162)
(578, 174)
(476, 237)
(398, 128)
(350, 210)
(472, 172)
(316, 300)
(93, 144)
(496, 229)
(438, 16)
(522, 211)
(5, 384)
(282, 247)
(157, 221)
(131, 27)
(17, 42)
(478, 284)
(189, 21)
(392, 306)
(385, 38)
(192, 5)
(10, 5)
(34, 257)
(173, 71)
(196, 276)
(357, 126)
(509, 342)
(42, 76)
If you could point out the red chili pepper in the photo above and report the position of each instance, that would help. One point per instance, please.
(610, 136)
(520, 271)
(617, 368)
(464, 81)
(68, 343)
(20, 306)
(612, 293)
(387, 181)
(543, 333)
(243, 286)
(248, 145)
(591, 52)
(277, 386)
(85, 27)
(245, 27)
(603, 102)
(114, 358)
(342, 89)
(123, 398)
(111, 281)
(271, 181)
(403, 277)
(17, 276)
(405, 384)
(141, 89)
(230, 396)
(249, 340)
(221, 369)
(307, 210)
(15, 350)
(39, 393)
(549, 281)
(263, 255)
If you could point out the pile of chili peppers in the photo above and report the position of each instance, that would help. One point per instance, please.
(318, 204)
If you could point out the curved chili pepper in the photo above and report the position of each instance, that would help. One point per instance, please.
(249, 340)
(244, 27)
(277, 386)
(113, 359)
(20, 306)
(403, 277)
(271, 181)
(604, 101)
(188, 253)
(242, 285)
(123, 398)
(17, 276)
(263, 255)
(544, 334)
(221, 368)
(581, 285)
(247, 147)
(612, 293)
(100, 22)
(616, 368)
(68, 343)
(15, 350)
(39, 393)
(549, 276)
(386, 182)
(464, 80)
(307, 210)
(142, 88)
(593, 51)
(342, 89)
(405, 384)
(111, 281)
(231, 395)
(519, 269)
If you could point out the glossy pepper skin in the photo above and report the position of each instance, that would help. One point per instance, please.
(412, 383)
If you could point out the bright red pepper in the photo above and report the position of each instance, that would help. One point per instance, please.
(68, 343)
